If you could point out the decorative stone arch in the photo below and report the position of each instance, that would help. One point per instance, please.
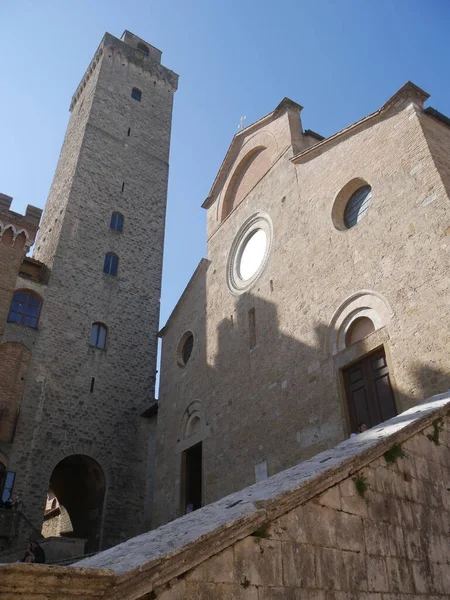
(15, 233)
(365, 303)
(253, 161)
(194, 427)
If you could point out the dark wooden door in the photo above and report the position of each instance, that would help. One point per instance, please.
(369, 392)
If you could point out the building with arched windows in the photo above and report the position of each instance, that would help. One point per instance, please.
(319, 307)
(77, 369)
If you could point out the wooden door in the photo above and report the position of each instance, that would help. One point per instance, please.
(368, 390)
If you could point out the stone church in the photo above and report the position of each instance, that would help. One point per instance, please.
(317, 312)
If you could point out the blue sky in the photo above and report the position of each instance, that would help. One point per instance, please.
(340, 59)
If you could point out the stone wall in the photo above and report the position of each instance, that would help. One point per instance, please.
(367, 520)
(81, 400)
(269, 406)
(394, 542)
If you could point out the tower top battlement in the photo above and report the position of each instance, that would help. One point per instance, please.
(136, 51)
(136, 42)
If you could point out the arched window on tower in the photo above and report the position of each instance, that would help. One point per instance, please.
(136, 94)
(143, 48)
(116, 222)
(111, 264)
(98, 335)
(25, 308)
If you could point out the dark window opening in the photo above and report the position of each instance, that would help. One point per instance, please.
(357, 206)
(116, 222)
(111, 264)
(252, 328)
(123, 186)
(187, 348)
(143, 48)
(97, 339)
(8, 485)
(129, 131)
(92, 384)
(136, 94)
(25, 309)
(192, 478)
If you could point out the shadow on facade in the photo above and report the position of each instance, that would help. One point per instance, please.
(258, 397)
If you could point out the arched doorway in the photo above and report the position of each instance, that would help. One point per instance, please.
(78, 483)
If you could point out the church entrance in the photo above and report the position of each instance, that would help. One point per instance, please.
(78, 484)
(191, 468)
(368, 390)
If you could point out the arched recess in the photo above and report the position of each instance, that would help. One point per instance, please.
(78, 482)
(14, 361)
(248, 172)
(193, 426)
(365, 303)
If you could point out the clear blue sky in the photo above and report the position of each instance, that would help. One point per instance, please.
(340, 59)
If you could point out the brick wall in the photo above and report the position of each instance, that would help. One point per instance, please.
(11, 256)
(14, 361)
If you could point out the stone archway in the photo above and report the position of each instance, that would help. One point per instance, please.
(363, 304)
(78, 482)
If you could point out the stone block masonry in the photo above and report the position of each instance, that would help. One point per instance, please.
(367, 520)
(83, 403)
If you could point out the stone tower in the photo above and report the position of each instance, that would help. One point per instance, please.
(92, 372)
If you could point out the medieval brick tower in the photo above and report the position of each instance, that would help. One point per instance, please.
(92, 371)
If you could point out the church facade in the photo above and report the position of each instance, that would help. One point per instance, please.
(318, 311)
(321, 305)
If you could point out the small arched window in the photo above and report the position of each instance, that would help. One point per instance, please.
(136, 94)
(111, 264)
(143, 48)
(25, 308)
(98, 335)
(116, 222)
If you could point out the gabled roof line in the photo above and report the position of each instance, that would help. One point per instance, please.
(286, 103)
(203, 263)
(409, 88)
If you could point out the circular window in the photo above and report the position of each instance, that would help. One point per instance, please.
(357, 206)
(249, 253)
(252, 255)
(185, 348)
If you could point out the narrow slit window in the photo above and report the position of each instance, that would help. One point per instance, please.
(92, 384)
(98, 338)
(123, 186)
(252, 328)
(111, 264)
(116, 222)
(129, 131)
(136, 94)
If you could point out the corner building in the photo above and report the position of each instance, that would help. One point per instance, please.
(93, 356)
(321, 305)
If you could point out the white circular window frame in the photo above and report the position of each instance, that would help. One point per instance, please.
(236, 284)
